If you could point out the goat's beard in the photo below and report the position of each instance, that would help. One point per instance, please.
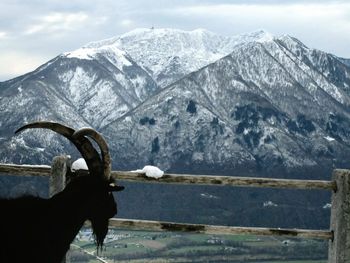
(99, 229)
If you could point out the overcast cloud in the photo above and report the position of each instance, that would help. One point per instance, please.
(33, 32)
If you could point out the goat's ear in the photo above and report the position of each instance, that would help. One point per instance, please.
(112, 187)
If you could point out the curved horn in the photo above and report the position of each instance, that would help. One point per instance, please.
(98, 138)
(83, 145)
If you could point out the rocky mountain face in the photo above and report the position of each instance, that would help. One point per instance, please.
(195, 102)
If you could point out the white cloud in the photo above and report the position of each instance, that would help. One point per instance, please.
(14, 64)
(279, 14)
(101, 20)
(3, 34)
(127, 22)
(56, 22)
(322, 25)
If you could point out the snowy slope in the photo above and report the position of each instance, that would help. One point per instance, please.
(170, 54)
(99, 86)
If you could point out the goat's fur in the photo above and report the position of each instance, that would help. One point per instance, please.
(34, 229)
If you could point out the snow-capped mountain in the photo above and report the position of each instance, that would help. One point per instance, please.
(254, 99)
(170, 54)
(100, 82)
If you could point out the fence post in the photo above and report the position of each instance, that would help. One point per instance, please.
(60, 169)
(339, 247)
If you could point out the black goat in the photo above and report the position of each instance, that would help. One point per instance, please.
(40, 230)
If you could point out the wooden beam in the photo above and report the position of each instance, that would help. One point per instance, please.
(225, 180)
(40, 170)
(23, 170)
(135, 224)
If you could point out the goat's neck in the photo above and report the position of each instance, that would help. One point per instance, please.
(70, 216)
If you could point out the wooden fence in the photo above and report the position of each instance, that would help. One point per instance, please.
(338, 234)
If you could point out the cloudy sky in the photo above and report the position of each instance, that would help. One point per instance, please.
(34, 31)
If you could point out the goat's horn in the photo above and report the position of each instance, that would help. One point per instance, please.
(83, 145)
(98, 138)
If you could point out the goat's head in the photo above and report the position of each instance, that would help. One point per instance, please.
(98, 185)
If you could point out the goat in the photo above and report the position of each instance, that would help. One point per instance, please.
(34, 229)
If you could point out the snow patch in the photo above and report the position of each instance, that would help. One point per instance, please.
(328, 138)
(81, 53)
(197, 156)
(209, 196)
(150, 171)
(79, 164)
(327, 206)
(111, 52)
(269, 204)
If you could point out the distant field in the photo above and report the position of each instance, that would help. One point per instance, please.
(144, 246)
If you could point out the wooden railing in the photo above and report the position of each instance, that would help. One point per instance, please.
(338, 234)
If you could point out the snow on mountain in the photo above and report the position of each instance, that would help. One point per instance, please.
(170, 54)
(100, 85)
(116, 56)
(127, 81)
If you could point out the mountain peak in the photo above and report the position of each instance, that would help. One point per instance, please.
(146, 33)
(260, 35)
(175, 50)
